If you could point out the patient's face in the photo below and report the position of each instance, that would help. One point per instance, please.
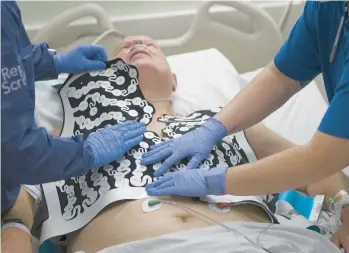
(155, 77)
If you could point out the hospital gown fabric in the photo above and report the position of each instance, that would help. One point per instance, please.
(307, 53)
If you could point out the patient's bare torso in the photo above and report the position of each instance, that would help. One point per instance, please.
(124, 221)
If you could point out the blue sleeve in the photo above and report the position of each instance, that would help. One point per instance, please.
(298, 58)
(28, 154)
(44, 64)
(336, 119)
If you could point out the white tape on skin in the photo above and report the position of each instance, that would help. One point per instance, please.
(16, 225)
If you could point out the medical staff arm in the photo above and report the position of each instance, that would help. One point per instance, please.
(326, 154)
(290, 169)
(265, 94)
(81, 59)
(28, 154)
(295, 65)
(44, 63)
(34, 157)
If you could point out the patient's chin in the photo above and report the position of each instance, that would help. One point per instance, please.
(152, 79)
(147, 70)
(139, 56)
(141, 60)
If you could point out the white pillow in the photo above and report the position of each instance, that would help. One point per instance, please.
(299, 118)
(48, 108)
(206, 80)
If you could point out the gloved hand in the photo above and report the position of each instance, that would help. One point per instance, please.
(113, 142)
(190, 183)
(196, 144)
(81, 59)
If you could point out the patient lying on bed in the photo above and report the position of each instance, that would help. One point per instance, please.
(124, 221)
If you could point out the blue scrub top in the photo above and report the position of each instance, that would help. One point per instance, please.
(307, 52)
(28, 154)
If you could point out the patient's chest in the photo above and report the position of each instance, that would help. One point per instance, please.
(92, 101)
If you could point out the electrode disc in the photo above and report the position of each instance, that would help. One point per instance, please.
(148, 209)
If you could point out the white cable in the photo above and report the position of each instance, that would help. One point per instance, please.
(285, 16)
(115, 32)
(256, 244)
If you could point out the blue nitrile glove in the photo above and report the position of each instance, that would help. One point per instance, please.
(112, 142)
(190, 183)
(196, 144)
(81, 59)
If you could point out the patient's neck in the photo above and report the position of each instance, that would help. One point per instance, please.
(162, 107)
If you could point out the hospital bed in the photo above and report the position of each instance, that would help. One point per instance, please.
(262, 44)
(207, 77)
(250, 25)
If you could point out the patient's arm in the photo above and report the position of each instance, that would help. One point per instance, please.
(329, 186)
(15, 240)
(22, 209)
(265, 142)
